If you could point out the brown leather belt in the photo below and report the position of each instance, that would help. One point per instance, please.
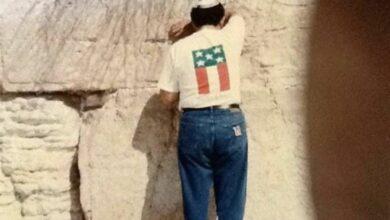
(212, 107)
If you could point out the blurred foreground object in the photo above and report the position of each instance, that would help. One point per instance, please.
(348, 110)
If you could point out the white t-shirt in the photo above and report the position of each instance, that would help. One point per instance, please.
(204, 67)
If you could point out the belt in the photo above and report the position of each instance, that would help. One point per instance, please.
(212, 107)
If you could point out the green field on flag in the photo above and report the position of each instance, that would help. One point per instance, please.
(209, 57)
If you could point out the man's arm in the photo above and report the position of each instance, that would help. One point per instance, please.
(181, 30)
(185, 28)
(168, 82)
(233, 26)
(169, 99)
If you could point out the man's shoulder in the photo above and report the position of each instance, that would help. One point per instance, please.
(235, 23)
(185, 42)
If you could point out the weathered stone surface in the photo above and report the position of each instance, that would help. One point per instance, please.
(127, 159)
(82, 45)
(127, 153)
(87, 45)
(130, 141)
(38, 141)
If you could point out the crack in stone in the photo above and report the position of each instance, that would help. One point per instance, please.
(294, 5)
(156, 40)
(25, 16)
(274, 99)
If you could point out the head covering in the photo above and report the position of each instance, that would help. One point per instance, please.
(205, 3)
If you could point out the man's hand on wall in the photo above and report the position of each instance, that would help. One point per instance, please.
(229, 12)
(180, 30)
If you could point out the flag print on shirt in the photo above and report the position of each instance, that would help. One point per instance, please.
(206, 58)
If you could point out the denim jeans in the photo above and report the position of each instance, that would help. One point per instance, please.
(213, 151)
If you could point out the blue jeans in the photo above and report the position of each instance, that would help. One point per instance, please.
(213, 150)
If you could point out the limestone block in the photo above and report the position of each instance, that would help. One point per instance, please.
(88, 45)
(127, 153)
(9, 207)
(128, 160)
(38, 143)
(83, 45)
(131, 133)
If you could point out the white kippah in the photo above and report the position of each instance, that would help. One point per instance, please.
(205, 3)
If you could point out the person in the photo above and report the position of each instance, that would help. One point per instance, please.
(202, 74)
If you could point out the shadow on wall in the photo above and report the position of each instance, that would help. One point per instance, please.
(348, 110)
(156, 136)
(74, 177)
(76, 212)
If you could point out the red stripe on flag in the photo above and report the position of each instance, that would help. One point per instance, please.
(203, 82)
(223, 76)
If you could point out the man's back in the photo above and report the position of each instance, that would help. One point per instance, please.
(205, 66)
(212, 144)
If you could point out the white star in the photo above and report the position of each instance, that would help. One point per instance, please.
(219, 59)
(209, 56)
(199, 54)
(200, 63)
(217, 50)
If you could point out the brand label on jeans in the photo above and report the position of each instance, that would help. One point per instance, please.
(237, 130)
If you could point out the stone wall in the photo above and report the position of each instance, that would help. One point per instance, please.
(39, 138)
(108, 55)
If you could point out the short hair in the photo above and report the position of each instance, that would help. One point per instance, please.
(207, 16)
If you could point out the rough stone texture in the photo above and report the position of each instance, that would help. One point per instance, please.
(127, 147)
(38, 142)
(128, 155)
(128, 159)
(51, 45)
